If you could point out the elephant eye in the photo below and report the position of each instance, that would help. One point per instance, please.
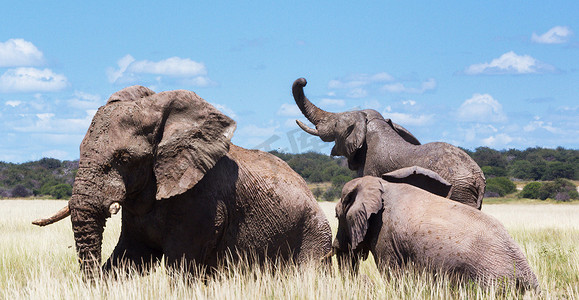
(122, 156)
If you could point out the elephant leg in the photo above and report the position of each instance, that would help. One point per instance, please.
(130, 254)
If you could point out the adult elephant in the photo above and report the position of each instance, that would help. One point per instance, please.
(186, 192)
(374, 146)
(401, 223)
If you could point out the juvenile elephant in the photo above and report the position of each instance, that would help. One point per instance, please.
(374, 146)
(186, 192)
(402, 223)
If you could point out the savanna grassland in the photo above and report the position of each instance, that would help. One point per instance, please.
(40, 263)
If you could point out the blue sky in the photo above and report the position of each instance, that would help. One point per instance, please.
(502, 74)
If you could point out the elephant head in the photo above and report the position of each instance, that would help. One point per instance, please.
(141, 147)
(361, 205)
(347, 129)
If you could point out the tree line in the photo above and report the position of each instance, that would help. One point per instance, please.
(46, 177)
(54, 178)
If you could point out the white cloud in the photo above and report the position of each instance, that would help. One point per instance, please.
(289, 110)
(201, 81)
(499, 140)
(189, 71)
(32, 80)
(256, 131)
(84, 101)
(123, 64)
(13, 103)
(357, 93)
(481, 108)
(555, 35)
(537, 123)
(174, 66)
(18, 53)
(48, 123)
(225, 109)
(332, 102)
(373, 104)
(410, 120)
(359, 80)
(510, 63)
(398, 87)
(409, 102)
(58, 154)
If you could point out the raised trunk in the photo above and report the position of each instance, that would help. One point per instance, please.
(313, 113)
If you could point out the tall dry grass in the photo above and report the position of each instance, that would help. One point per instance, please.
(40, 263)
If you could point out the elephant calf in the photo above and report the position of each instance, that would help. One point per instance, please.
(401, 223)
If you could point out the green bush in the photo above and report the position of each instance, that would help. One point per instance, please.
(491, 171)
(560, 189)
(61, 191)
(332, 193)
(500, 186)
(531, 190)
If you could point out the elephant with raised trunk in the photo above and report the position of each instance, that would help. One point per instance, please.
(186, 192)
(374, 146)
(401, 224)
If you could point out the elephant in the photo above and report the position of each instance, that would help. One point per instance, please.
(374, 146)
(187, 194)
(402, 220)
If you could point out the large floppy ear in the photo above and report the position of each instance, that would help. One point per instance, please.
(192, 136)
(425, 179)
(402, 132)
(351, 135)
(361, 198)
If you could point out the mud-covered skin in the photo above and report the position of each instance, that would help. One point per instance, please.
(185, 191)
(400, 223)
(374, 146)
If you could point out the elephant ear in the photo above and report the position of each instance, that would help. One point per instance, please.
(425, 179)
(402, 132)
(193, 137)
(131, 93)
(351, 128)
(361, 198)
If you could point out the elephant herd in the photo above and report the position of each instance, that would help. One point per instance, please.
(190, 196)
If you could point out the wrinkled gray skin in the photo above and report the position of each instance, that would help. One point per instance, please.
(185, 191)
(374, 146)
(400, 224)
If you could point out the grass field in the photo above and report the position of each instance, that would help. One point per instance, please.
(40, 263)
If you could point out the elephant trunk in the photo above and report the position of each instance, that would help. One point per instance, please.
(95, 197)
(88, 224)
(313, 113)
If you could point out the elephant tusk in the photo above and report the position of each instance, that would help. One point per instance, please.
(114, 208)
(307, 129)
(328, 255)
(61, 214)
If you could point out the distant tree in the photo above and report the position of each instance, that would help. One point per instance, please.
(485, 156)
(500, 186)
(49, 163)
(62, 191)
(21, 191)
(557, 169)
(559, 189)
(318, 192)
(490, 171)
(520, 169)
(531, 190)
(332, 194)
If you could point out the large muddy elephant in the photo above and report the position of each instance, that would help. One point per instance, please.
(374, 146)
(401, 223)
(185, 191)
